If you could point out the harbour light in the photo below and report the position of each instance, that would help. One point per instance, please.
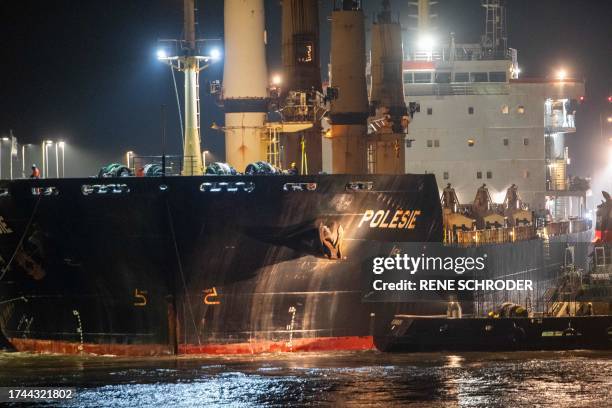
(561, 74)
(161, 54)
(215, 54)
(425, 42)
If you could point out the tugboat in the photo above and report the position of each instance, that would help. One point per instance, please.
(578, 313)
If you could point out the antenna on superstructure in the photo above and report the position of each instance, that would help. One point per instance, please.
(495, 38)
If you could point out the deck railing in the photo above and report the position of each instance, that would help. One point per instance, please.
(491, 236)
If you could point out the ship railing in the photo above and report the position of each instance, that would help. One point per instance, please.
(491, 236)
(456, 88)
(566, 227)
(558, 121)
(600, 275)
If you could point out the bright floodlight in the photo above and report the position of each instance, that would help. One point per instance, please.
(5, 139)
(562, 74)
(62, 144)
(161, 54)
(425, 42)
(277, 80)
(215, 54)
(49, 142)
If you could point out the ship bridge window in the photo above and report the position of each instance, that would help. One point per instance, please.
(422, 77)
(506, 142)
(443, 77)
(497, 76)
(430, 143)
(408, 78)
(479, 174)
(462, 77)
(489, 174)
(478, 77)
(470, 110)
(445, 175)
(436, 143)
(520, 109)
(471, 142)
(505, 109)
(430, 111)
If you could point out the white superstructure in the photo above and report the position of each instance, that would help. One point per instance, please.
(478, 123)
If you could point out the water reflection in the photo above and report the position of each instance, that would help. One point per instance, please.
(564, 379)
(454, 361)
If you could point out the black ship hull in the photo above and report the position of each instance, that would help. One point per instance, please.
(141, 266)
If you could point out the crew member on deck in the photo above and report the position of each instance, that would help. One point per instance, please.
(293, 169)
(35, 172)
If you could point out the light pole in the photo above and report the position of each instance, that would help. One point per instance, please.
(47, 144)
(128, 157)
(23, 161)
(23, 149)
(62, 146)
(204, 153)
(4, 139)
(56, 161)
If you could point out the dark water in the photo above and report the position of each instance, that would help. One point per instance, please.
(520, 379)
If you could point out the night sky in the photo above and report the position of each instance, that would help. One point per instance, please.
(85, 71)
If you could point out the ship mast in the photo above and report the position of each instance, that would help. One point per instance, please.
(192, 159)
(185, 55)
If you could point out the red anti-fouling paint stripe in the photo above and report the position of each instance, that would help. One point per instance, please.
(346, 343)
(67, 347)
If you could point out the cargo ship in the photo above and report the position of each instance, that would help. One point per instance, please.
(192, 258)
